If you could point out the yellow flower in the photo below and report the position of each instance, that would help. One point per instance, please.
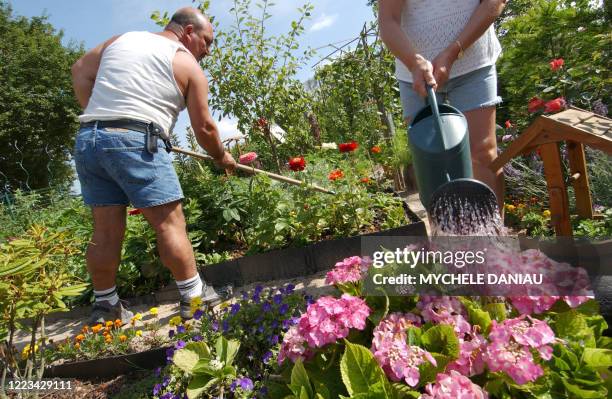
(175, 321)
(196, 302)
(510, 207)
(521, 206)
(154, 311)
(138, 316)
(109, 324)
(139, 333)
(546, 213)
(25, 353)
(77, 345)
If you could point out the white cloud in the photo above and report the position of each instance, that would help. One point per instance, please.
(228, 128)
(324, 21)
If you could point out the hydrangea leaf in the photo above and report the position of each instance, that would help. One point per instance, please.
(441, 339)
(361, 373)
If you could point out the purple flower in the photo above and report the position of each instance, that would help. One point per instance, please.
(258, 289)
(156, 389)
(167, 395)
(289, 289)
(274, 324)
(273, 340)
(245, 295)
(180, 344)
(235, 308)
(180, 329)
(170, 333)
(278, 299)
(197, 338)
(283, 308)
(260, 329)
(158, 372)
(245, 383)
(166, 381)
(266, 307)
(266, 357)
(215, 325)
(197, 315)
(263, 391)
(287, 323)
(506, 138)
(169, 354)
(256, 298)
(225, 325)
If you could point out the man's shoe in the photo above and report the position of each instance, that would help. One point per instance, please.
(210, 298)
(103, 311)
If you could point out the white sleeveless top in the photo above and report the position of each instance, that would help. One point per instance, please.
(432, 25)
(136, 81)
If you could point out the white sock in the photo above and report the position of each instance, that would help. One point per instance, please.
(109, 295)
(190, 288)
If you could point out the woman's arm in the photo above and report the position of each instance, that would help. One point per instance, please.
(484, 15)
(389, 20)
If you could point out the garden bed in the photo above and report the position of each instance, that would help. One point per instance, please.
(294, 262)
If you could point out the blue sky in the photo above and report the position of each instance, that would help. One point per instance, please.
(92, 22)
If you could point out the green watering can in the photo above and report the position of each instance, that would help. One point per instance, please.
(439, 141)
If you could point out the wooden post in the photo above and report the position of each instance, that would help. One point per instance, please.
(557, 192)
(577, 161)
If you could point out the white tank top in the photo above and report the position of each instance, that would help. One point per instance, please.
(135, 80)
(432, 25)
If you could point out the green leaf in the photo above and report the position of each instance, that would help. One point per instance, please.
(197, 386)
(200, 348)
(583, 393)
(597, 358)
(360, 371)
(497, 311)
(300, 380)
(441, 339)
(573, 326)
(403, 391)
(481, 318)
(226, 350)
(186, 359)
(414, 336)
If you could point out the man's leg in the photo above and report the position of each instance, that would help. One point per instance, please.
(176, 254)
(104, 250)
(103, 258)
(483, 146)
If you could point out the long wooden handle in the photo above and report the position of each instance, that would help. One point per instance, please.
(249, 169)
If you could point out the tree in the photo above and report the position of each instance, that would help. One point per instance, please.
(37, 107)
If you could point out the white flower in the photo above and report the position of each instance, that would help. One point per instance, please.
(329, 146)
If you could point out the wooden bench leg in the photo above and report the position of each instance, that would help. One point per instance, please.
(557, 192)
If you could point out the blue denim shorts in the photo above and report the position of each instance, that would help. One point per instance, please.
(474, 90)
(115, 169)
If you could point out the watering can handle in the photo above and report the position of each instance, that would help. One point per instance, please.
(433, 103)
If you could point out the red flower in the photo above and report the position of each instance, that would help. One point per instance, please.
(535, 104)
(555, 105)
(556, 64)
(348, 147)
(375, 149)
(335, 175)
(262, 122)
(508, 124)
(365, 180)
(134, 212)
(297, 164)
(247, 158)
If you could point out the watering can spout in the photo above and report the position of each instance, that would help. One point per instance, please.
(439, 142)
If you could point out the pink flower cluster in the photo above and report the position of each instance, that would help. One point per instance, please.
(511, 341)
(325, 321)
(471, 348)
(452, 386)
(444, 310)
(398, 359)
(348, 270)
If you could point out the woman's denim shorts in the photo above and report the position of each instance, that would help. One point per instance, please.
(115, 169)
(474, 90)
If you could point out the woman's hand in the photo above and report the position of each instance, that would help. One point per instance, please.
(442, 65)
(422, 73)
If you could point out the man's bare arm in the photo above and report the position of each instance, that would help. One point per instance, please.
(202, 122)
(85, 70)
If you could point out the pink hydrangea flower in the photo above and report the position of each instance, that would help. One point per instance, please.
(247, 158)
(293, 347)
(471, 348)
(513, 359)
(330, 319)
(444, 310)
(453, 385)
(526, 331)
(399, 360)
(347, 271)
(533, 304)
(575, 301)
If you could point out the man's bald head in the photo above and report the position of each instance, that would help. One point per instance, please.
(192, 29)
(188, 16)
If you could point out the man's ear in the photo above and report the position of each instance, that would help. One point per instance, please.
(189, 29)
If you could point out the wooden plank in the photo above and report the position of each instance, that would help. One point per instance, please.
(563, 132)
(572, 116)
(577, 161)
(557, 193)
(516, 147)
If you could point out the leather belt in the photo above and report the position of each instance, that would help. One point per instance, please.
(151, 130)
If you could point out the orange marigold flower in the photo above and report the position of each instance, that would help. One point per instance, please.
(123, 338)
(335, 175)
(77, 345)
(95, 329)
(80, 337)
(118, 323)
(85, 329)
(365, 180)
(375, 149)
(108, 339)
